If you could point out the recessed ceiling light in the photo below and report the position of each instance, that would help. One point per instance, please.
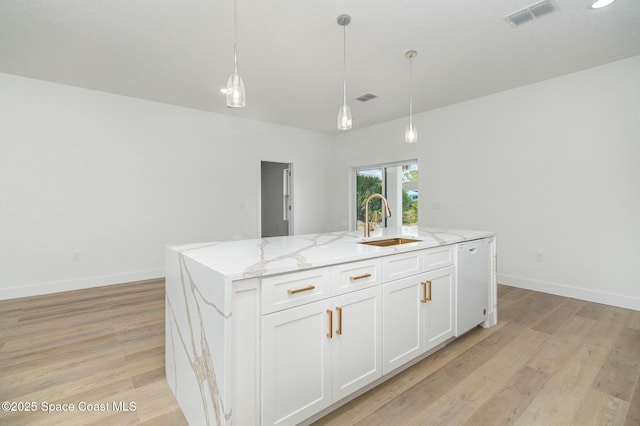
(601, 3)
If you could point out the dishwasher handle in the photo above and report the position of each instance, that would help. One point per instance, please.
(471, 247)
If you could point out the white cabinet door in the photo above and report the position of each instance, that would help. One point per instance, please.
(439, 318)
(357, 341)
(419, 314)
(296, 363)
(307, 365)
(402, 328)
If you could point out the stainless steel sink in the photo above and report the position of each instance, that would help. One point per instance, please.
(390, 242)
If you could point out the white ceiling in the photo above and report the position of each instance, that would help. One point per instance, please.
(290, 51)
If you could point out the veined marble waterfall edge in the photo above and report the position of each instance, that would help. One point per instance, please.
(196, 315)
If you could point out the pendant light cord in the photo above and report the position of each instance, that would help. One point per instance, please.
(411, 91)
(344, 63)
(235, 37)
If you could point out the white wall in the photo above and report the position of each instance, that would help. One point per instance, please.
(553, 168)
(118, 178)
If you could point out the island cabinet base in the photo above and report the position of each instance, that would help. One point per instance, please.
(306, 366)
(287, 348)
(373, 385)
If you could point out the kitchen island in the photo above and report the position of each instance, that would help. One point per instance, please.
(282, 330)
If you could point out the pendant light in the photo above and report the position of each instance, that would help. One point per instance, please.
(236, 95)
(411, 134)
(344, 115)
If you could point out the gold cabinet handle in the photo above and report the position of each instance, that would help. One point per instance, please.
(339, 330)
(426, 298)
(330, 333)
(300, 290)
(359, 277)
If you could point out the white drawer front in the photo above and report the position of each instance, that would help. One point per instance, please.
(402, 265)
(438, 257)
(356, 275)
(295, 289)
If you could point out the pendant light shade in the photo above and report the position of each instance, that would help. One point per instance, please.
(236, 95)
(344, 118)
(344, 114)
(411, 133)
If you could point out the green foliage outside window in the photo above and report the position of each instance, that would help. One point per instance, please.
(409, 204)
(409, 209)
(367, 185)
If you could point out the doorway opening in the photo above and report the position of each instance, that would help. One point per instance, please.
(275, 199)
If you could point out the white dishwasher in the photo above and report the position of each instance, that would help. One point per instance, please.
(472, 293)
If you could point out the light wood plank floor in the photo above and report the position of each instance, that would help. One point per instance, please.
(100, 345)
(550, 361)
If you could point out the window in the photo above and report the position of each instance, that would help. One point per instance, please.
(398, 182)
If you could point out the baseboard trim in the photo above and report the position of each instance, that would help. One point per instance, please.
(77, 284)
(597, 296)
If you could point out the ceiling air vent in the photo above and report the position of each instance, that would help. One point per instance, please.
(531, 12)
(367, 97)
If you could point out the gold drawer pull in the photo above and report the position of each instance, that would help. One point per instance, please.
(426, 298)
(359, 277)
(339, 330)
(300, 290)
(330, 333)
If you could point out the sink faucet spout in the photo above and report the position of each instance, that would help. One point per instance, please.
(387, 212)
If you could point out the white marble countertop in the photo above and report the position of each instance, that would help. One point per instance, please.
(238, 259)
